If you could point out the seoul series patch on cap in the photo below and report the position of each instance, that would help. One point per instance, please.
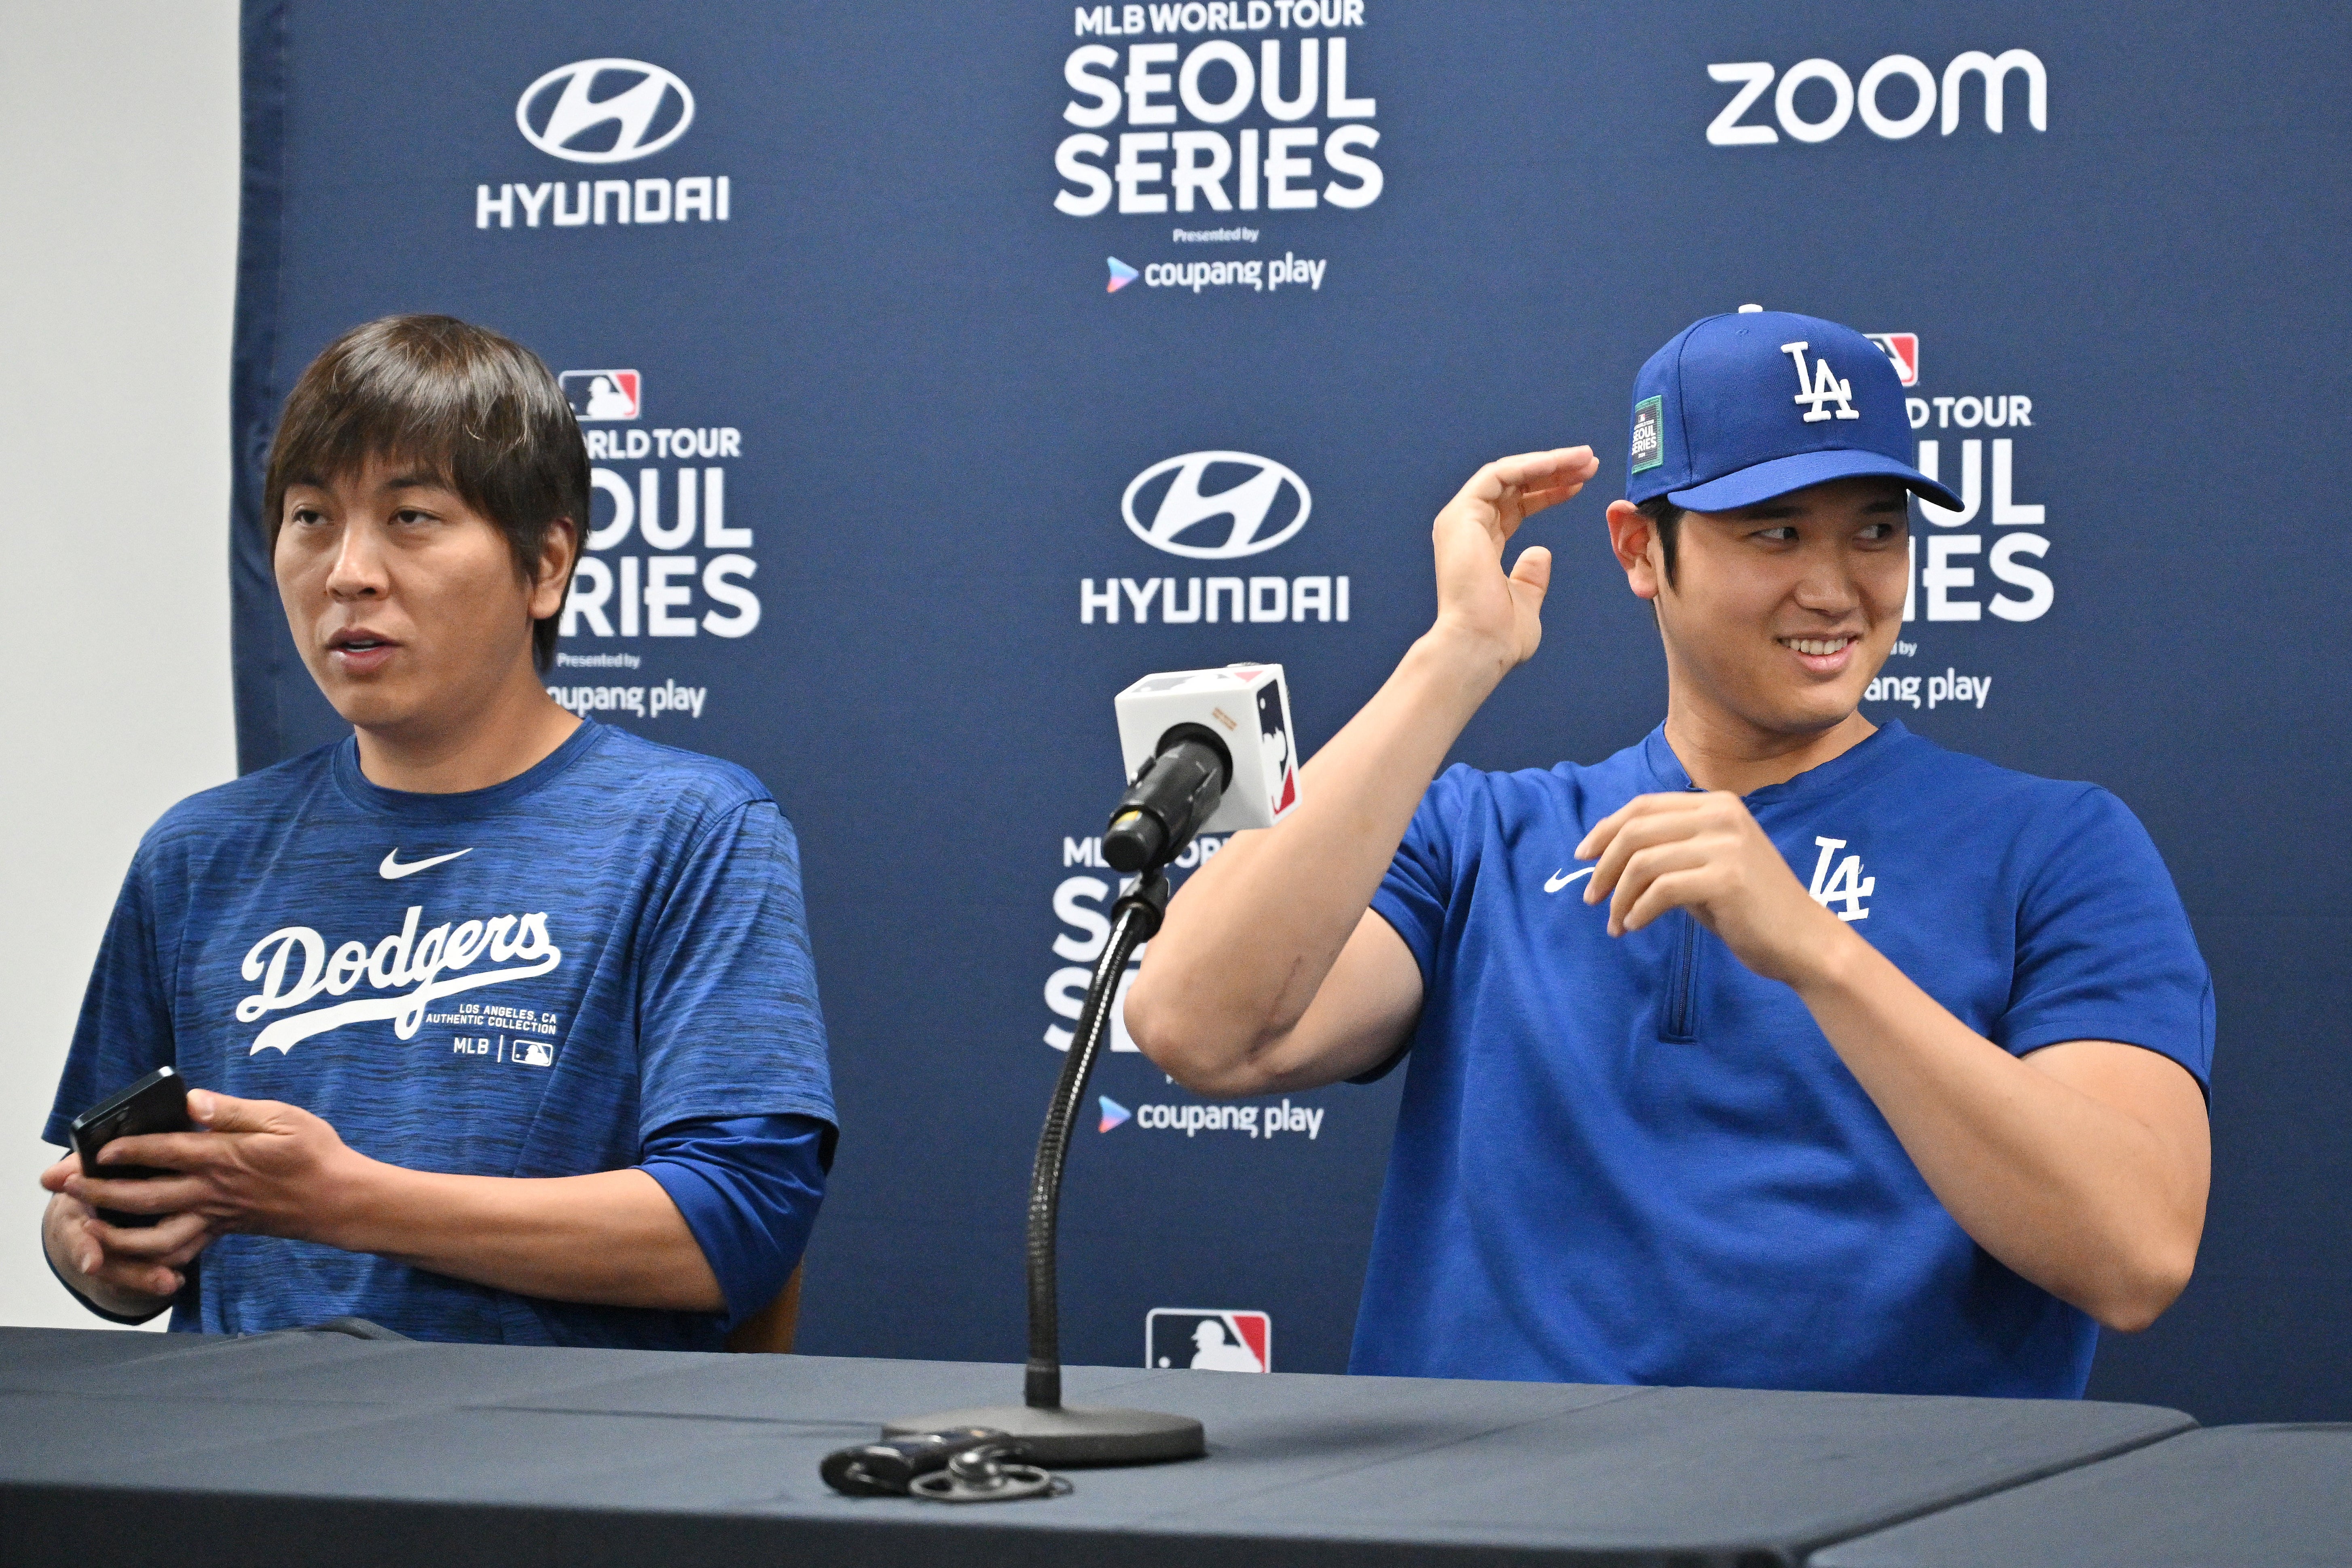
(1741, 407)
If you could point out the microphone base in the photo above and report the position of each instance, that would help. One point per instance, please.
(1082, 1435)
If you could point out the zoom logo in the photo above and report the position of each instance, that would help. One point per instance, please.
(643, 110)
(1216, 506)
(1730, 128)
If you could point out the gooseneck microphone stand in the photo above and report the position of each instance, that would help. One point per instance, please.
(1135, 919)
(1175, 793)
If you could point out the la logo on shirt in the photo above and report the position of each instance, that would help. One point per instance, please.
(1846, 886)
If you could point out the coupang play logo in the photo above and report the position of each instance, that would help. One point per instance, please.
(604, 112)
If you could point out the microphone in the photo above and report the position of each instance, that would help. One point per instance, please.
(1210, 750)
(1178, 789)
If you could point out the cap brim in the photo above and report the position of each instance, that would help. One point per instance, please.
(1780, 475)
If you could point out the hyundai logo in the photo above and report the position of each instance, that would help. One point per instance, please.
(645, 110)
(1246, 500)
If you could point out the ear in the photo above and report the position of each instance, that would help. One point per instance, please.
(1634, 541)
(558, 553)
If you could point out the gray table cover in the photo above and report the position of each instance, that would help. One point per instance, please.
(120, 1450)
(2276, 1497)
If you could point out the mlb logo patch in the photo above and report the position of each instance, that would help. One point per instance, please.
(1208, 1339)
(602, 394)
(1902, 349)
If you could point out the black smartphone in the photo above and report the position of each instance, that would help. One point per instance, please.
(156, 1103)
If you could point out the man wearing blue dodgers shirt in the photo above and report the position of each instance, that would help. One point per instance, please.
(1778, 1049)
(502, 1026)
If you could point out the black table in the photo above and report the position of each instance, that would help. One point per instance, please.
(120, 1449)
(2276, 1496)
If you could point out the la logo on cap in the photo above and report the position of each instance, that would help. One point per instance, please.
(1824, 388)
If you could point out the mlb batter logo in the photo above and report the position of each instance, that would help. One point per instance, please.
(602, 394)
(1281, 756)
(1902, 350)
(1205, 1338)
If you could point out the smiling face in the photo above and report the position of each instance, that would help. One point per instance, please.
(1780, 614)
(405, 603)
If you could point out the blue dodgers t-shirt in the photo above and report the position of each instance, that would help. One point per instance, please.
(530, 980)
(1633, 1160)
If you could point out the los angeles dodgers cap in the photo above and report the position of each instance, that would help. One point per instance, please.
(1741, 407)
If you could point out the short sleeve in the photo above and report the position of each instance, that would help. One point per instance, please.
(749, 1188)
(2104, 951)
(124, 1032)
(1414, 895)
(727, 1000)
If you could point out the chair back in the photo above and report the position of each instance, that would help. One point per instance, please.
(772, 1327)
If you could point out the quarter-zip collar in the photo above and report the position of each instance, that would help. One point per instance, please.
(1667, 773)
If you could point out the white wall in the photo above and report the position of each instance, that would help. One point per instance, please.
(118, 254)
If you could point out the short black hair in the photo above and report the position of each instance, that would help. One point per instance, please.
(478, 410)
(1666, 518)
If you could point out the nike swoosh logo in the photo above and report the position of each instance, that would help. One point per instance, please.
(1560, 879)
(392, 870)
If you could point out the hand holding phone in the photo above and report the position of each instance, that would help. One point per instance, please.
(156, 1103)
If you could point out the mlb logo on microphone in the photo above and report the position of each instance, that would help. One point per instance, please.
(602, 394)
(1902, 350)
(1208, 1339)
(1245, 709)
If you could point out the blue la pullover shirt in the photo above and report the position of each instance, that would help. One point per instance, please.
(1632, 1160)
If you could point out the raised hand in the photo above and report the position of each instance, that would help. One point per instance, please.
(1474, 597)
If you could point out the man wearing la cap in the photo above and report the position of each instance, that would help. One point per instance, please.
(1780, 1049)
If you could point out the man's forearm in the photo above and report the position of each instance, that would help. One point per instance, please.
(1253, 934)
(2098, 1206)
(613, 1239)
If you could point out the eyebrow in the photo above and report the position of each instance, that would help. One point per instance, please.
(416, 480)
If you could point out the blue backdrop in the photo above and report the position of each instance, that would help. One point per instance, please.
(927, 289)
